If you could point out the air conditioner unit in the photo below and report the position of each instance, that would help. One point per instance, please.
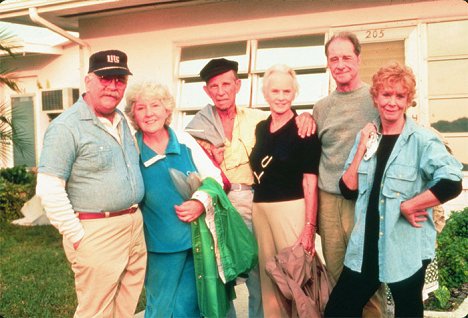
(57, 100)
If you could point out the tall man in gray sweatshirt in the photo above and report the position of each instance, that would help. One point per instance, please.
(339, 117)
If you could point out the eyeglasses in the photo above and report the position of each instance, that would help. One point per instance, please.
(120, 81)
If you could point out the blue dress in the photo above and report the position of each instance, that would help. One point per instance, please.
(170, 279)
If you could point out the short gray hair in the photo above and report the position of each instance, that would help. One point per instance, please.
(279, 68)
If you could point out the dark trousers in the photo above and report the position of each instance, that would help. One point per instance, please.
(354, 289)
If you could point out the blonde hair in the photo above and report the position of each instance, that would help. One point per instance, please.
(391, 74)
(149, 91)
(282, 69)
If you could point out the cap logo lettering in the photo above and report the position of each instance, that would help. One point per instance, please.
(113, 59)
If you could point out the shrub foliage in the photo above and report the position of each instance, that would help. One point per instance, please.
(17, 186)
(452, 248)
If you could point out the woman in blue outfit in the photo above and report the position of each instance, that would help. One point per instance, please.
(396, 172)
(170, 280)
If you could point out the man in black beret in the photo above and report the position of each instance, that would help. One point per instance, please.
(216, 67)
(227, 132)
(90, 185)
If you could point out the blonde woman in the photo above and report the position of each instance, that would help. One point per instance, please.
(170, 278)
(285, 191)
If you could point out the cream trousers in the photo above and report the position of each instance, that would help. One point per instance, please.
(109, 266)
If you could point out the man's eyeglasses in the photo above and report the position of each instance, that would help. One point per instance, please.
(107, 80)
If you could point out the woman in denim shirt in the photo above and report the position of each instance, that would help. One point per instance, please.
(397, 171)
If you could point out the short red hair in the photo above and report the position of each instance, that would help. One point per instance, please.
(392, 74)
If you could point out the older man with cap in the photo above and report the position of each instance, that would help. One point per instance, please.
(90, 185)
(229, 132)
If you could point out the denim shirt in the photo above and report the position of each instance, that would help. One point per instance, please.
(417, 162)
(100, 173)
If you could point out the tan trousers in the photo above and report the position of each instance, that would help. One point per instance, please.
(336, 221)
(277, 225)
(242, 201)
(109, 266)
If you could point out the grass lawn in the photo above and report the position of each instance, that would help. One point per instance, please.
(35, 277)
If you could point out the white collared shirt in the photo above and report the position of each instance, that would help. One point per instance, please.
(112, 127)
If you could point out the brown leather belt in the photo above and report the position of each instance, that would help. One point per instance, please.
(101, 215)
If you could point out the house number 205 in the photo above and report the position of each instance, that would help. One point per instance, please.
(375, 34)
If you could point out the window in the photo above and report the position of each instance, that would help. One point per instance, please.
(24, 152)
(303, 53)
(448, 78)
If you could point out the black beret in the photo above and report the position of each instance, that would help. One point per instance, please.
(109, 63)
(216, 67)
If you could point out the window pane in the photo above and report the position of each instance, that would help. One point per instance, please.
(448, 77)
(213, 50)
(439, 44)
(297, 52)
(194, 58)
(193, 95)
(449, 115)
(312, 87)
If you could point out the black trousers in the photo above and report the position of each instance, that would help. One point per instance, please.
(353, 290)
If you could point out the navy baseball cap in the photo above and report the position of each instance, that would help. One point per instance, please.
(109, 63)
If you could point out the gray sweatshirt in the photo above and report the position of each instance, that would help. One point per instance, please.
(339, 117)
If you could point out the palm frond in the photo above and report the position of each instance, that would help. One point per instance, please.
(5, 80)
(9, 133)
(8, 42)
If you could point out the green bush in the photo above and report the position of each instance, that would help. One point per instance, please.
(452, 249)
(17, 175)
(17, 186)
(442, 295)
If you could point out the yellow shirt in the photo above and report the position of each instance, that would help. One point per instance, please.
(237, 151)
